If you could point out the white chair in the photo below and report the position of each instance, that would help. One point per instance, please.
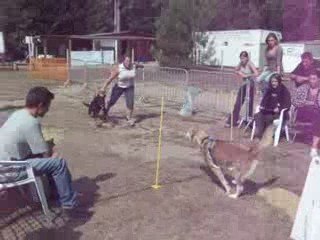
(9, 170)
(278, 124)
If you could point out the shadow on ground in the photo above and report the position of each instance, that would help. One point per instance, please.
(250, 187)
(22, 219)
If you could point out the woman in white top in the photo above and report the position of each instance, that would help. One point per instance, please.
(245, 71)
(125, 74)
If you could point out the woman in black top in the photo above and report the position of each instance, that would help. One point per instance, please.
(276, 98)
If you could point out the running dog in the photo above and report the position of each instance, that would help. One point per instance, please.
(223, 156)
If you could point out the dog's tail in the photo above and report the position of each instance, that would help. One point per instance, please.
(86, 104)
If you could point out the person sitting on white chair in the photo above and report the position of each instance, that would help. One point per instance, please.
(276, 98)
(306, 99)
(21, 139)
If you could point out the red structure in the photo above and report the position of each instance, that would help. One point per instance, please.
(301, 20)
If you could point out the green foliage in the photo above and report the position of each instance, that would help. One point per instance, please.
(139, 15)
(176, 28)
(34, 17)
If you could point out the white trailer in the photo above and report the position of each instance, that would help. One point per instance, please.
(292, 53)
(2, 49)
(223, 47)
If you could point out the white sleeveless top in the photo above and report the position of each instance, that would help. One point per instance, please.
(126, 76)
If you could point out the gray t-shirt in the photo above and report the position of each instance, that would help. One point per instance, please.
(274, 59)
(21, 136)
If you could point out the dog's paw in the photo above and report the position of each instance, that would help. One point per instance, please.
(228, 191)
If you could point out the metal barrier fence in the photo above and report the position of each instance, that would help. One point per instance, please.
(157, 82)
(218, 89)
(88, 72)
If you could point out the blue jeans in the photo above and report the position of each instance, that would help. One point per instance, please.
(264, 80)
(58, 169)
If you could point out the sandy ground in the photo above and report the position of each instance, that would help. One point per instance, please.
(114, 168)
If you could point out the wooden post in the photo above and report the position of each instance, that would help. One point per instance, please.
(45, 48)
(69, 52)
(94, 48)
(68, 82)
(132, 54)
(116, 21)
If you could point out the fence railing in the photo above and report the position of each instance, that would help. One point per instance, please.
(218, 89)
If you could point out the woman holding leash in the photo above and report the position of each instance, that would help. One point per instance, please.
(246, 71)
(125, 74)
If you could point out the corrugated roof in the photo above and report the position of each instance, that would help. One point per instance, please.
(125, 35)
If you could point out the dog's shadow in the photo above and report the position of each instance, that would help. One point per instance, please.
(250, 187)
(142, 117)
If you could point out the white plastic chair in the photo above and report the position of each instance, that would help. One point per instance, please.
(278, 124)
(7, 168)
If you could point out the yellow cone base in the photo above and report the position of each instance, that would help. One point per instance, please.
(156, 187)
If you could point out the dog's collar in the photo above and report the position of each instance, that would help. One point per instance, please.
(209, 141)
(204, 139)
(209, 138)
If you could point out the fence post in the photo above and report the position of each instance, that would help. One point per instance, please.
(142, 98)
(86, 75)
(187, 76)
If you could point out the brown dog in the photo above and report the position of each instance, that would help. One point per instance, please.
(222, 156)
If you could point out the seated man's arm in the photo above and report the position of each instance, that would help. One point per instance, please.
(36, 142)
(296, 75)
(299, 79)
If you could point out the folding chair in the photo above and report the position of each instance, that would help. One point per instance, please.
(9, 176)
(297, 127)
(278, 124)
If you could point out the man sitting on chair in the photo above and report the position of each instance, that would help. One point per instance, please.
(276, 98)
(307, 101)
(300, 75)
(21, 139)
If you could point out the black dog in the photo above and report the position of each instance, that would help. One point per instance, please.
(97, 105)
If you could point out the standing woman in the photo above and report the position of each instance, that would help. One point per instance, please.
(246, 71)
(273, 61)
(124, 73)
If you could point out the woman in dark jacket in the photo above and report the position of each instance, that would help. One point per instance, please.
(276, 98)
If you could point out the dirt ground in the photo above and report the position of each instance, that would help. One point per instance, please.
(114, 168)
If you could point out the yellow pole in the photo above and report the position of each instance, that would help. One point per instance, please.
(156, 185)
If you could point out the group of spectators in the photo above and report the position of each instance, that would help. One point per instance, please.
(303, 100)
(21, 137)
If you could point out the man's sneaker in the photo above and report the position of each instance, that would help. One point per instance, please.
(314, 152)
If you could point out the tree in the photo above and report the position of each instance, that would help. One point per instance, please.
(139, 15)
(34, 17)
(176, 28)
(248, 14)
(99, 16)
